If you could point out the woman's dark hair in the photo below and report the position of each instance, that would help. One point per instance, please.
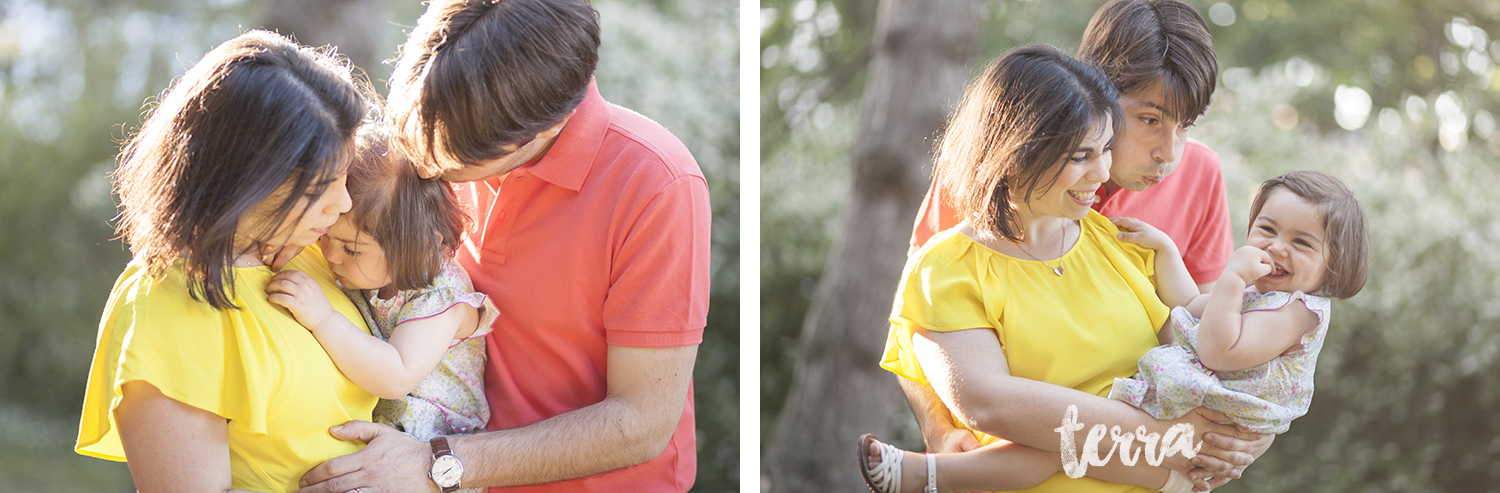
(1029, 109)
(416, 222)
(476, 76)
(1140, 42)
(1346, 234)
(258, 118)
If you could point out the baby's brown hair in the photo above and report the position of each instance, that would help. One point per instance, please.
(416, 221)
(1344, 225)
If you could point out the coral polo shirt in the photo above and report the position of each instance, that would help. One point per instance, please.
(603, 241)
(1189, 205)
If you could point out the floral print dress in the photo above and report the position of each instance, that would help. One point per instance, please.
(450, 401)
(1264, 398)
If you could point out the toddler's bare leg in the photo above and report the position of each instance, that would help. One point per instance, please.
(1141, 474)
(995, 467)
(1000, 466)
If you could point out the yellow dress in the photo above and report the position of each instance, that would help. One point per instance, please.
(255, 366)
(1080, 330)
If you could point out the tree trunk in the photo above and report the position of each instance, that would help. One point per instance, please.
(354, 26)
(921, 50)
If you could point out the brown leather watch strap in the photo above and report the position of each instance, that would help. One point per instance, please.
(440, 447)
(442, 453)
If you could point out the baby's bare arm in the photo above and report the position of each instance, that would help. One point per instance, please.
(1174, 284)
(1230, 340)
(387, 369)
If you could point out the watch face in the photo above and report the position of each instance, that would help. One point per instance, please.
(447, 470)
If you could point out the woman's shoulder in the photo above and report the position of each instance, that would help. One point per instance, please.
(949, 256)
(950, 246)
(1098, 231)
(153, 294)
(1095, 224)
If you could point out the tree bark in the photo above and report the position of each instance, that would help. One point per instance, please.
(921, 50)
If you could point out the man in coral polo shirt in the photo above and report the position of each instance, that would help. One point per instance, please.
(1160, 56)
(592, 239)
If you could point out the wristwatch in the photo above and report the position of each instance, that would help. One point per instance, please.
(446, 469)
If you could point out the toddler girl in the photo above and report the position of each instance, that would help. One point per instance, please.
(1248, 352)
(392, 253)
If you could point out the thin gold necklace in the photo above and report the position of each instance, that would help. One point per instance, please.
(1055, 270)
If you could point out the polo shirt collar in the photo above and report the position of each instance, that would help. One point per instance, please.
(571, 156)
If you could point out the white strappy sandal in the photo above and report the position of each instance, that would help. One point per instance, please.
(885, 477)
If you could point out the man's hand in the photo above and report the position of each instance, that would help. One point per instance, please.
(1225, 457)
(391, 463)
(1205, 422)
(302, 296)
(951, 440)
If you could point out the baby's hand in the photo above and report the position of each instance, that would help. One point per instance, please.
(1137, 231)
(1250, 263)
(301, 295)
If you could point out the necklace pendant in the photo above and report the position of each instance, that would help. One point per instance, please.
(1058, 270)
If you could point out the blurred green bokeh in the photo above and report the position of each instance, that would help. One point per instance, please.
(1396, 97)
(74, 78)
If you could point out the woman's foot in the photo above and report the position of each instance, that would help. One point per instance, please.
(888, 469)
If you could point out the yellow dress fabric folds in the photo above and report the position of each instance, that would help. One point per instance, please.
(1079, 330)
(255, 366)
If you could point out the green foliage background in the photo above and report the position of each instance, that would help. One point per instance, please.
(1409, 381)
(74, 75)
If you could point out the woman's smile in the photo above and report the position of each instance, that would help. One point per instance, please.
(1080, 175)
(1085, 197)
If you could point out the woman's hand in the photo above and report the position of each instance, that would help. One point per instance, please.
(301, 295)
(951, 440)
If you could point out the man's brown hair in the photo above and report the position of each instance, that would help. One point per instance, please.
(1140, 42)
(476, 76)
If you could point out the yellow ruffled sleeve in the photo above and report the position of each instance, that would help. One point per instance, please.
(155, 332)
(940, 290)
(1134, 263)
(252, 365)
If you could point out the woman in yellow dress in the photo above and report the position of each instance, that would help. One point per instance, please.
(198, 383)
(1032, 305)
